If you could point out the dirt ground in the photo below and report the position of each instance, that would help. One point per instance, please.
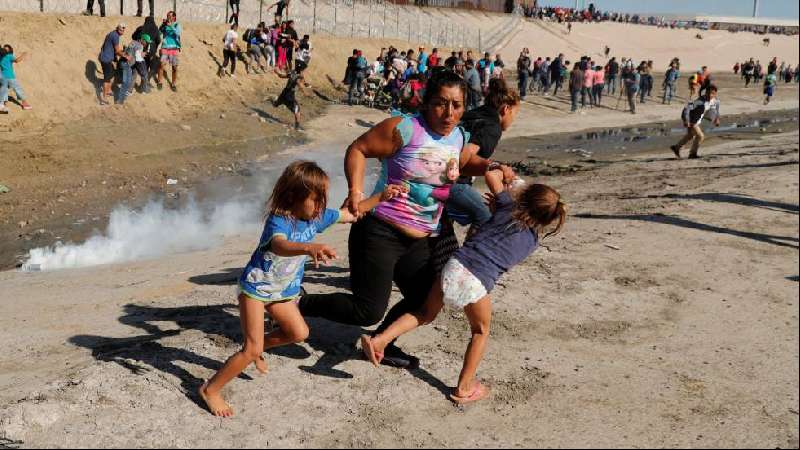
(666, 315)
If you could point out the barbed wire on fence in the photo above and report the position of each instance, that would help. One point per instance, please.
(435, 26)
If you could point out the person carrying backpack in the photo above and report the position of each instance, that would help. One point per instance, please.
(360, 66)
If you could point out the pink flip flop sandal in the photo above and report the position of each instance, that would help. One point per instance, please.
(479, 392)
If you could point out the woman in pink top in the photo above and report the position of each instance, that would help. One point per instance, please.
(599, 84)
(588, 82)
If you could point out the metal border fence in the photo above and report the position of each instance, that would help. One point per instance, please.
(438, 23)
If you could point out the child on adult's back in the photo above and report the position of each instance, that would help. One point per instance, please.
(521, 215)
(271, 281)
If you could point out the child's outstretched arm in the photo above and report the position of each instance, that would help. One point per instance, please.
(320, 252)
(494, 180)
(391, 191)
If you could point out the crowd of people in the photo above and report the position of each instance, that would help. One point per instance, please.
(264, 48)
(148, 54)
(752, 72)
(587, 81)
(400, 77)
(592, 14)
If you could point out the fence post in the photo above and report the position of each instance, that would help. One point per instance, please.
(369, 21)
(314, 19)
(175, 6)
(121, 7)
(335, 15)
(383, 27)
(41, 5)
(480, 40)
(397, 21)
(430, 31)
(409, 31)
(260, 11)
(353, 21)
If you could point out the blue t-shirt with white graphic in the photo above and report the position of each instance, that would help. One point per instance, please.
(269, 277)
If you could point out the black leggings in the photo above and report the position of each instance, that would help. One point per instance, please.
(229, 55)
(234, 12)
(379, 254)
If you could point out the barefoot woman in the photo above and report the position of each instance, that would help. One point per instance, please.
(393, 242)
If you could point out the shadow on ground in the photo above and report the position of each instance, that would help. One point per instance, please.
(781, 241)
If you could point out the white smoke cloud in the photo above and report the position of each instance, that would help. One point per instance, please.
(156, 230)
(151, 232)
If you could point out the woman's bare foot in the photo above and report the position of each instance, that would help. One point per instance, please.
(261, 365)
(216, 404)
(372, 354)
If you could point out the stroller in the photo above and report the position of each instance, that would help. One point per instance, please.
(375, 95)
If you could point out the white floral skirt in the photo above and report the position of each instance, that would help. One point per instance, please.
(460, 286)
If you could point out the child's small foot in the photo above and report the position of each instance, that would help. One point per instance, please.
(261, 365)
(369, 351)
(26, 106)
(479, 392)
(216, 404)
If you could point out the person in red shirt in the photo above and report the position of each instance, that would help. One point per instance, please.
(434, 59)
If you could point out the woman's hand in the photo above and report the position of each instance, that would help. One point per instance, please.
(354, 198)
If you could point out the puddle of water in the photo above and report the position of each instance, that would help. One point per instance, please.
(648, 138)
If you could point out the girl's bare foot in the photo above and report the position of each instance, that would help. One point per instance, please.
(261, 365)
(216, 404)
(462, 397)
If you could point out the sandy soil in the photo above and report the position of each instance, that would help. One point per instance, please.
(612, 335)
(719, 50)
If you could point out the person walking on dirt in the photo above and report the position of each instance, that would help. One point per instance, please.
(575, 85)
(631, 81)
(556, 67)
(474, 90)
(294, 79)
(230, 47)
(281, 5)
(151, 60)
(8, 78)
(90, 8)
(692, 117)
(523, 67)
(770, 83)
(670, 82)
(588, 87)
(139, 8)
(359, 70)
(109, 52)
(613, 73)
(235, 8)
(170, 50)
(599, 85)
(749, 70)
(707, 82)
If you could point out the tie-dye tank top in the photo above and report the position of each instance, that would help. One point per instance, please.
(426, 164)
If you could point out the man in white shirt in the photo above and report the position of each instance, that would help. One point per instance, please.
(230, 47)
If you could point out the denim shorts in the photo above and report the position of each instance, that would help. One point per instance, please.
(466, 206)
